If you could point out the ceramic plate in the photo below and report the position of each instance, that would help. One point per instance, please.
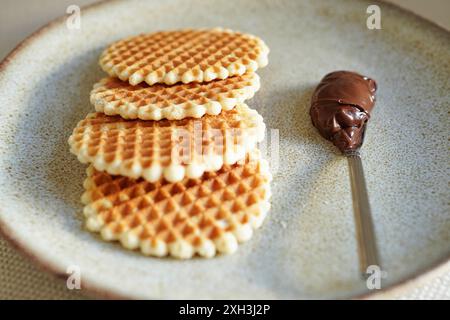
(306, 247)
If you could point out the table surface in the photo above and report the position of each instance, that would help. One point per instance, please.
(19, 278)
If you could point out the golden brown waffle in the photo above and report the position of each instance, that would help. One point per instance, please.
(170, 148)
(159, 101)
(194, 216)
(184, 56)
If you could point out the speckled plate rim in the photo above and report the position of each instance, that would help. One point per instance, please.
(94, 289)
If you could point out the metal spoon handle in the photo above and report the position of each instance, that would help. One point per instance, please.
(368, 253)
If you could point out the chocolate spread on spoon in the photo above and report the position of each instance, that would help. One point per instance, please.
(341, 106)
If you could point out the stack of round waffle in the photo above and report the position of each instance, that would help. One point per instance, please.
(173, 165)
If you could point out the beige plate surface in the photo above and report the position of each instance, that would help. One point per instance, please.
(306, 248)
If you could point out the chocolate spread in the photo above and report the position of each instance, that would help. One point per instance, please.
(341, 106)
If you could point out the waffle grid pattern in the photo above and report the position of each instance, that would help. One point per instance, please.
(194, 216)
(184, 56)
(172, 149)
(115, 97)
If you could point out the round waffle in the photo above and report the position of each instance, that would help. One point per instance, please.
(159, 101)
(184, 56)
(170, 148)
(194, 216)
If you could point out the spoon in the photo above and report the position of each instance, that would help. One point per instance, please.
(340, 109)
(368, 252)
